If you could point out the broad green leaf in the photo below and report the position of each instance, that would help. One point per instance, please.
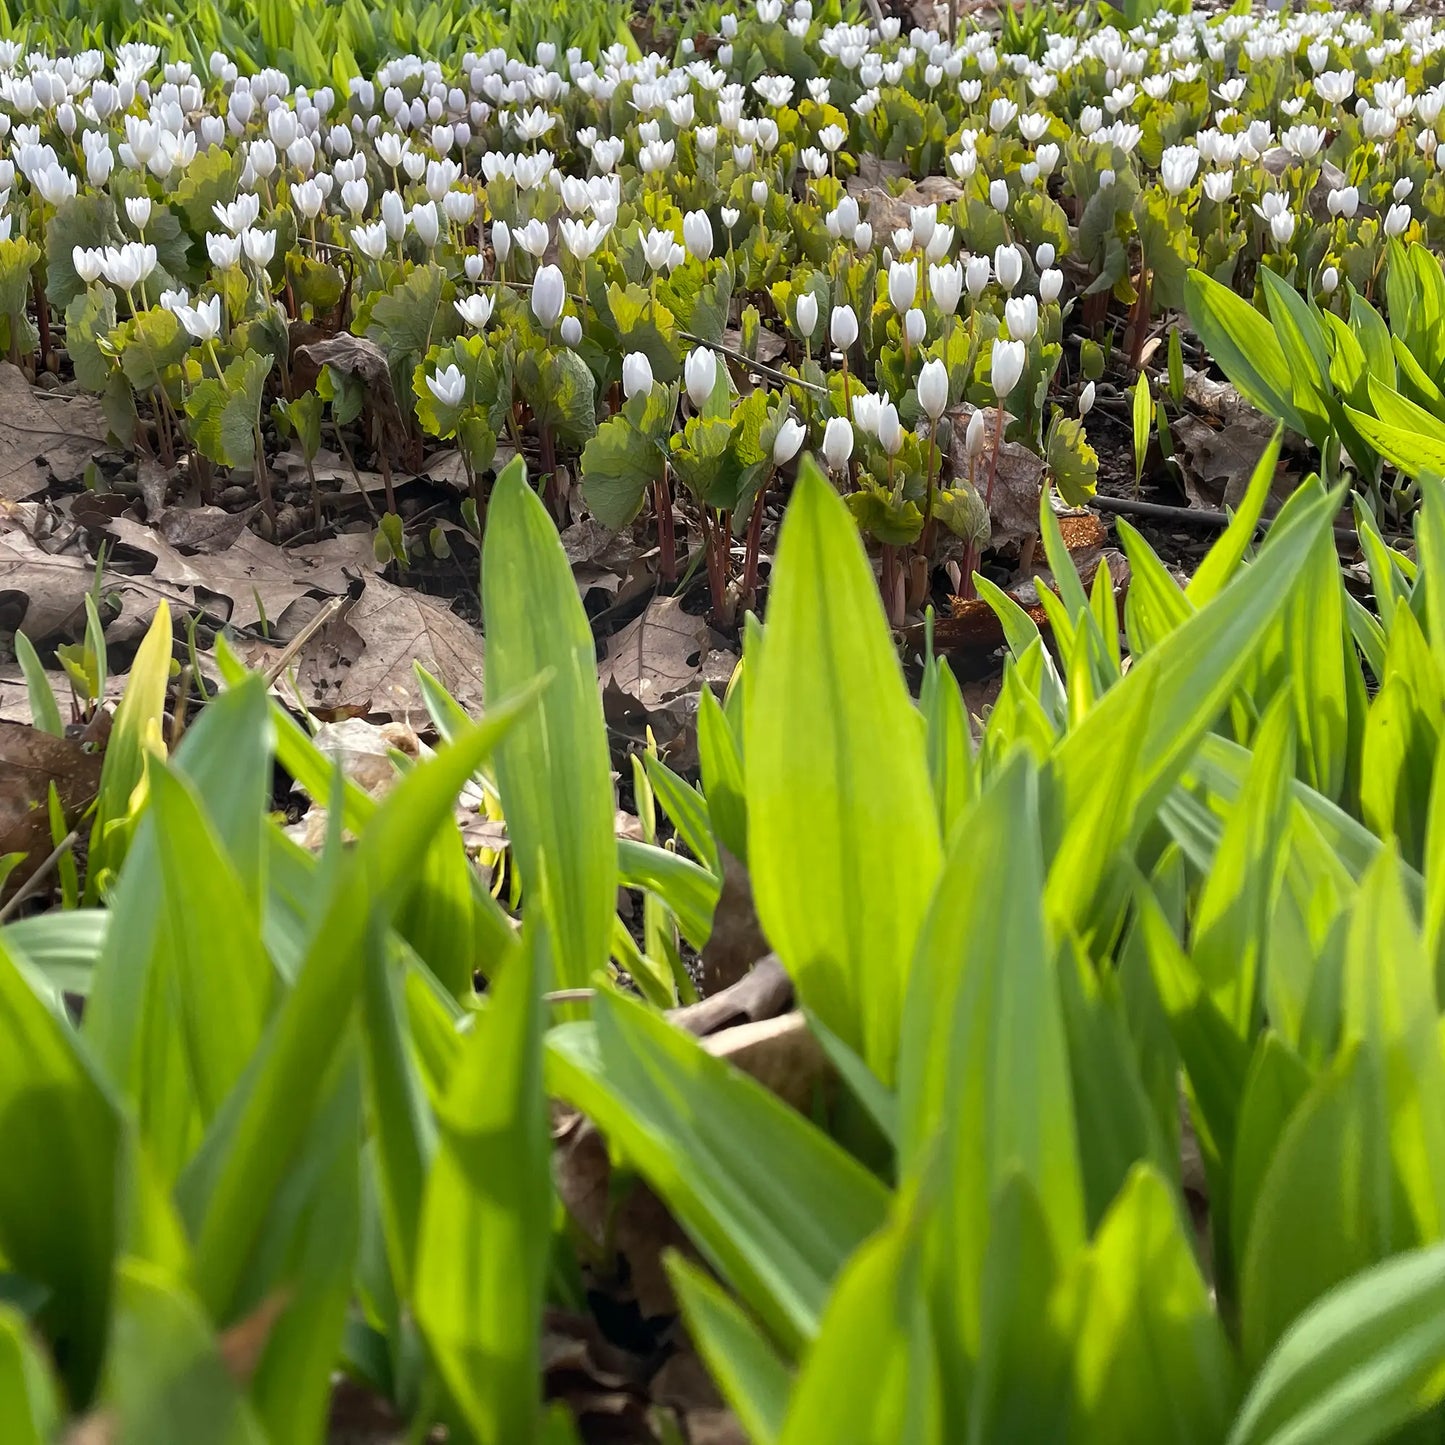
(984, 1082)
(1363, 1361)
(753, 1380)
(1151, 1362)
(872, 1375)
(1325, 1206)
(1235, 902)
(166, 1381)
(1190, 675)
(950, 745)
(721, 765)
(60, 1214)
(228, 1187)
(135, 731)
(1244, 345)
(29, 1402)
(842, 832)
(688, 889)
(221, 976)
(773, 1204)
(482, 1253)
(554, 771)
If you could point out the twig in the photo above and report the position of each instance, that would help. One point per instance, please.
(31, 886)
(288, 653)
(1197, 516)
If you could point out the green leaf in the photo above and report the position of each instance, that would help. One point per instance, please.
(1191, 674)
(29, 1404)
(150, 343)
(752, 1378)
(221, 977)
(89, 220)
(89, 318)
(229, 1186)
(1366, 1359)
(1072, 462)
(59, 1214)
(982, 999)
(1244, 345)
(557, 385)
(411, 318)
(872, 1374)
(1324, 1208)
(773, 1204)
(721, 765)
(224, 415)
(1143, 424)
(622, 460)
(1151, 1362)
(166, 1381)
(554, 772)
(485, 1236)
(843, 835)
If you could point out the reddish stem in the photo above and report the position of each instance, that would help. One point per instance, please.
(666, 535)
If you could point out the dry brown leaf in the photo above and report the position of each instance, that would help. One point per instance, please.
(1017, 485)
(658, 654)
(229, 583)
(30, 762)
(46, 434)
(765, 992)
(886, 212)
(1218, 463)
(782, 1054)
(737, 940)
(204, 530)
(361, 662)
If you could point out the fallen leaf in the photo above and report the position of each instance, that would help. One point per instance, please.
(1218, 462)
(764, 992)
(366, 361)
(361, 662)
(737, 940)
(47, 434)
(205, 530)
(658, 654)
(886, 212)
(782, 1054)
(1017, 484)
(30, 762)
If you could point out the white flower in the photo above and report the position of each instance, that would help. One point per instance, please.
(1329, 280)
(260, 246)
(533, 238)
(1022, 315)
(789, 439)
(1281, 227)
(636, 374)
(946, 284)
(998, 195)
(449, 386)
(889, 428)
(807, 314)
(831, 137)
(1304, 141)
(549, 295)
(501, 241)
(370, 240)
(976, 275)
(1397, 218)
(224, 250)
(1008, 266)
(933, 388)
(700, 375)
(1219, 185)
(138, 208)
(571, 331)
(657, 248)
(1086, 399)
(730, 215)
(837, 442)
(1177, 167)
(426, 223)
(1007, 366)
(86, 261)
(902, 285)
(202, 321)
(843, 327)
(476, 310)
(697, 234)
(1001, 113)
(126, 266)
